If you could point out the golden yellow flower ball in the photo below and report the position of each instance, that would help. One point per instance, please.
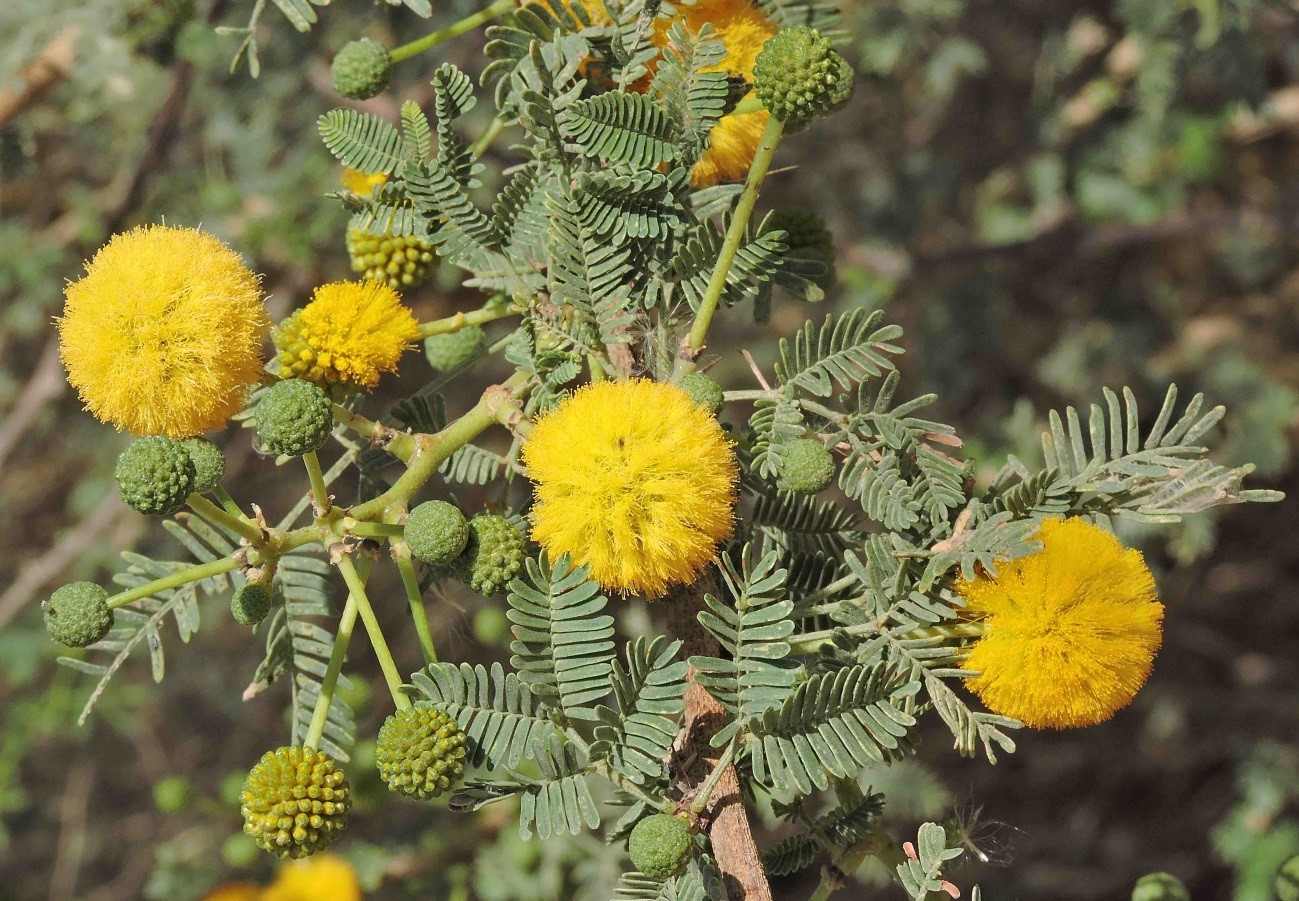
(163, 335)
(1072, 630)
(347, 336)
(743, 28)
(635, 480)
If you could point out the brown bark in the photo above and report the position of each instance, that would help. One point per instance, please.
(726, 820)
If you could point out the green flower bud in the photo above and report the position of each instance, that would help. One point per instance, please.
(295, 802)
(77, 614)
(294, 417)
(155, 476)
(362, 69)
(437, 532)
(493, 556)
(660, 845)
(209, 463)
(799, 76)
(446, 352)
(421, 752)
(704, 390)
(1160, 887)
(400, 261)
(807, 467)
(251, 603)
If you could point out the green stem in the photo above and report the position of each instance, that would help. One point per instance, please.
(320, 714)
(484, 140)
(756, 394)
(370, 529)
(415, 597)
(468, 23)
(771, 134)
(237, 524)
(377, 641)
(195, 573)
(399, 444)
(228, 502)
(875, 843)
(811, 642)
(319, 490)
(700, 804)
(489, 313)
(432, 450)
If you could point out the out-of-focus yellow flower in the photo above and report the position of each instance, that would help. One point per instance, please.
(635, 480)
(323, 877)
(1072, 630)
(347, 336)
(163, 335)
(743, 28)
(362, 183)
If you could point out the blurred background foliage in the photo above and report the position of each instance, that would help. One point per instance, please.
(1049, 196)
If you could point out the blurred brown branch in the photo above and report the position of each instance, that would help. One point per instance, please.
(35, 79)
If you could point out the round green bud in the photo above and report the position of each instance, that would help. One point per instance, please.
(421, 752)
(799, 76)
(399, 261)
(703, 390)
(1286, 884)
(660, 845)
(807, 467)
(77, 614)
(294, 417)
(491, 627)
(295, 802)
(446, 352)
(155, 476)
(250, 603)
(172, 794)
(209, 463)
(493, 556)
(437, 532)
(361, 69)
(804, 230)
(806, 237)
(1160, 887)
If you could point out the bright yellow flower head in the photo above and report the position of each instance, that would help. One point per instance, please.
(1072, 630)
(359, 182)
(743, 28)
(635, 480)
(348, 335)
(163, 335)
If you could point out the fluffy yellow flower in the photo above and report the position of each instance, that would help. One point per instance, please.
(163, 335)
(359, 182)
(348, 335)
(635, 480)
(743, 28)
(1072, 630)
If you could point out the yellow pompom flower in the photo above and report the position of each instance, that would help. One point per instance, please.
(347, 336)
(635, 480)
(743, 28)
(1071, 631)
(361, 183)
(163, 335)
